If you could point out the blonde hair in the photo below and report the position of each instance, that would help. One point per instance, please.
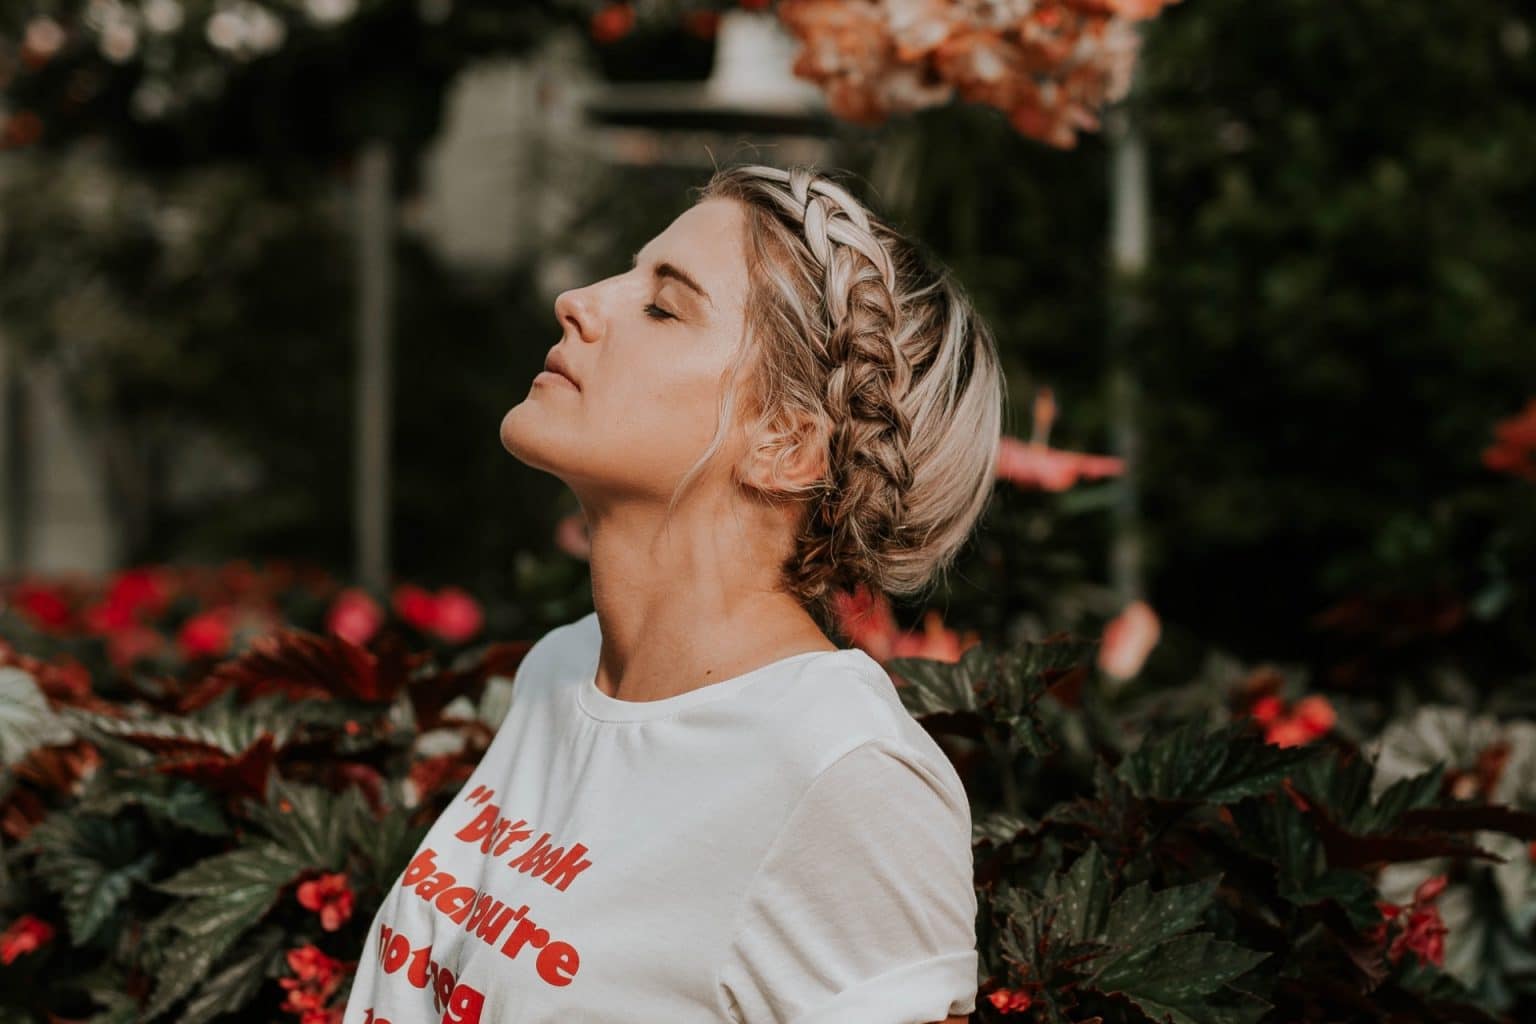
(850, 328)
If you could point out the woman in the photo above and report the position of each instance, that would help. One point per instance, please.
(699, 808)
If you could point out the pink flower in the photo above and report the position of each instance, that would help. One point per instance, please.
(25, 935)
(1035, 467)
(865, 617)
(571, 536)
(354, 616)
(1128, 639)
(458, 615)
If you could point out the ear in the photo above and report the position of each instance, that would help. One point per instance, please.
(791, 452)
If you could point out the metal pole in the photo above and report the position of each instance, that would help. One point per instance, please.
(375, 301)
(1129, 251)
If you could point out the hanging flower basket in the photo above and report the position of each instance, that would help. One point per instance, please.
(667, 51)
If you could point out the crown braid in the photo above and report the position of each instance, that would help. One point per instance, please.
(869, 472)
(850, 324)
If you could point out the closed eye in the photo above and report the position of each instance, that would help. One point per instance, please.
(655, 312)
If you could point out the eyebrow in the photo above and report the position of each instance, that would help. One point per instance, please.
(676, 273)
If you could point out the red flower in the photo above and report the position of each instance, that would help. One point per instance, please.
(126, 646)
(315, 979)
(330, 897)
(1515, 450)
(139, 590)
(704, 24)
(1267, 710)
(207, 633)
(25, 935)
(1010, 1000)
(613, 22)
(451, 613)
(416, 606)
(44, 605)
(1416, 926)
(354, 616)
(1295, 725)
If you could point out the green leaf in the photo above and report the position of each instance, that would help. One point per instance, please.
(1140, 917)
(26, 722)
(1083, 895)
(1175, 980)
(238, 980)
(1001, 828)
(1222, 766)
(999, 686)
(174, 801)
(317, 823)
(1342, 785)
(92, 863)
(263, 865)
(187, 961)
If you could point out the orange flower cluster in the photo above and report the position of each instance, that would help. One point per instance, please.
(1514, 451)
(25, 935)
(315, 979)
(1050, 65)
(870, 624)
(330, 897)
(1296, 725)
(1416, 925)
(1010, 1000)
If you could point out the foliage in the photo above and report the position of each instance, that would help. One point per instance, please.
(181, 843)
(213, 845)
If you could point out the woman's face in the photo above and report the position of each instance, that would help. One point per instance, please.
(646, 349)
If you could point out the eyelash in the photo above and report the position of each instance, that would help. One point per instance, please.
(659, 313)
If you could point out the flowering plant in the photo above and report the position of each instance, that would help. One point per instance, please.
(212, 842)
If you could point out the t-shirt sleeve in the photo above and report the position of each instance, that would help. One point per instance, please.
(863, 911)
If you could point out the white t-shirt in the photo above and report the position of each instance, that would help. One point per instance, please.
(787, 845)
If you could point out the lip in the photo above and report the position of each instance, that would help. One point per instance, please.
(555, 363)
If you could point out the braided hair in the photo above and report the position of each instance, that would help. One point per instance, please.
(853, 330)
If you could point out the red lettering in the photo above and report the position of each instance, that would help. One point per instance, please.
(516, 833)
(495, 919)
(434, 885)
(457, 903)
(557, 957)
(442, 988)
(538, 858)
(525, 932)
(422, 865)
(420, 961)
(395, 953)
(568, 868)
(480, 826)
(464, 1006)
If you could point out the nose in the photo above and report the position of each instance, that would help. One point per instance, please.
(575, 308)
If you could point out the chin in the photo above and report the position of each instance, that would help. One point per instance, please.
(527, 436)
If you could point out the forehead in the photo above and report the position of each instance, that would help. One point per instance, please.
(707, 241)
